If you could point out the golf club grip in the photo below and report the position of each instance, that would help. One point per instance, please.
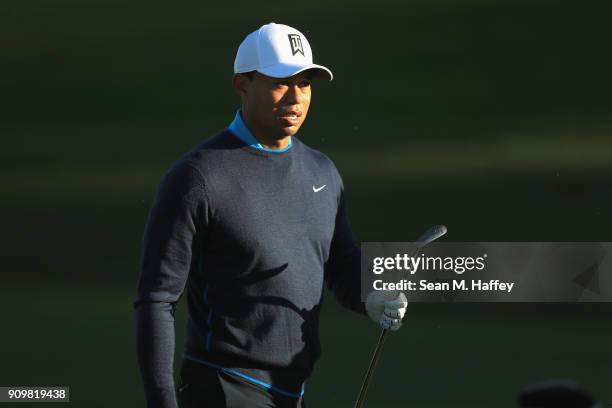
(372, 366)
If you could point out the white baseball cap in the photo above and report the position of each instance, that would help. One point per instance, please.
(278, 51)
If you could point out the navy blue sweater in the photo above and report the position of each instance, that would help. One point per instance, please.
(252, 236)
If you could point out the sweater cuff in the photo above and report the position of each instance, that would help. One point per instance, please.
(161, 398)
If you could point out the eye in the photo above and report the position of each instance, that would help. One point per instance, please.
(281, 84)
(304, 83)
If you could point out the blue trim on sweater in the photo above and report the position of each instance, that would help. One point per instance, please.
(238, 127)
(246, 377)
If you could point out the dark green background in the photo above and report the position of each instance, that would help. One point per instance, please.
(493, 117)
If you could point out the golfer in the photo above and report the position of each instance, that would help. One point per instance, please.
(250, 224)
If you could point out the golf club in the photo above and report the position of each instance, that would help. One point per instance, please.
(428, 236)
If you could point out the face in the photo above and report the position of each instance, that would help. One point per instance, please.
(274, 107)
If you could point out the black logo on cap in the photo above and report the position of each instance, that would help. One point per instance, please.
(296, 44)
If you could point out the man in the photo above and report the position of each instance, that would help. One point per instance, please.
(252, 223)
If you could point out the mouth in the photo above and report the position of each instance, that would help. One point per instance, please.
(291, 117)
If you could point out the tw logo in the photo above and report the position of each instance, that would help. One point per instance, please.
(296, 44)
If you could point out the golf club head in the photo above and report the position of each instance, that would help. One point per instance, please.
(431, 235)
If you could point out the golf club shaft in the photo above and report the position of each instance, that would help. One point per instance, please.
(430, 235)
(377, 351)
(373, 362)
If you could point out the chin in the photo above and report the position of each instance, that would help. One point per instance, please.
(291, 130)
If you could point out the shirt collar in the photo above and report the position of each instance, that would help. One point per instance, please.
(239, 128)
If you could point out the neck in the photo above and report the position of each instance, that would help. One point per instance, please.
(267, 141)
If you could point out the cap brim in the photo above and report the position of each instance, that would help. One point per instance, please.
(286, 71)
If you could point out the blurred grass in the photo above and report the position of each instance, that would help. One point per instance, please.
(446, 355)
(493, 117)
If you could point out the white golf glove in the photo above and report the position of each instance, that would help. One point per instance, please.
(387, 308)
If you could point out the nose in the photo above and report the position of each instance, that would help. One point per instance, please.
(294, 95)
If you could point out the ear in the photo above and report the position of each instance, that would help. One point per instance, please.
(240, 83)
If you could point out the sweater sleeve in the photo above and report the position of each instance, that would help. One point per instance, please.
(177, 219)
(343, 268)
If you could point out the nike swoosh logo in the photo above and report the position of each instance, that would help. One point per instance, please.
(316, 190)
